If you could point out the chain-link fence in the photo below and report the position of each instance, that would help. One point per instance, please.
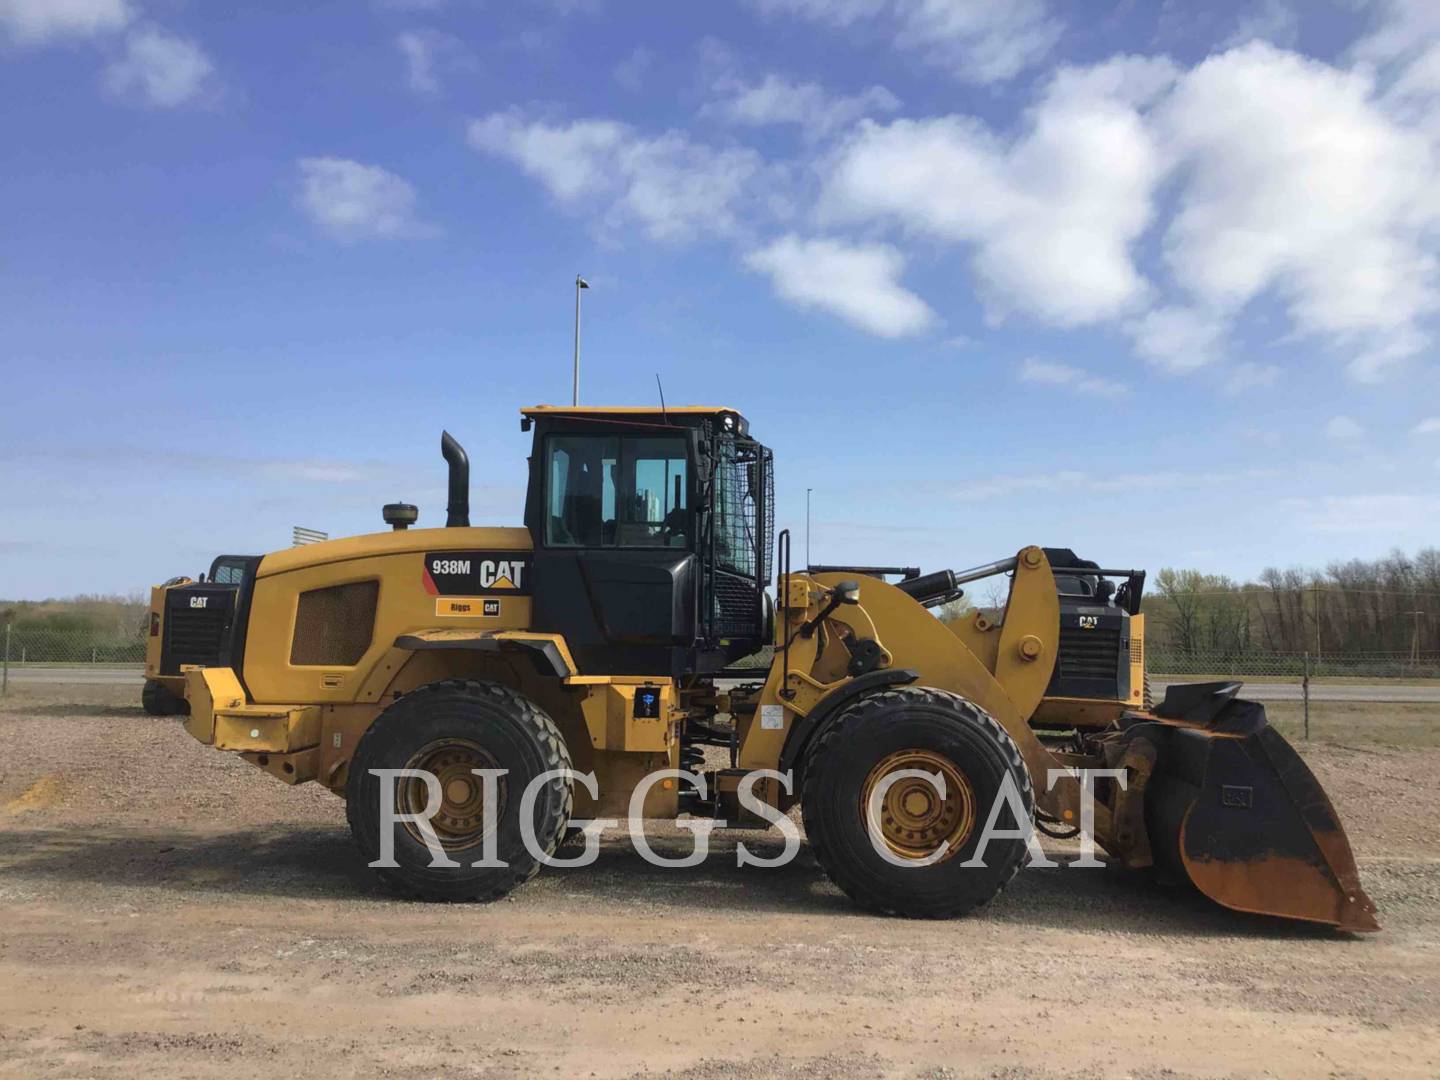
(1359, 665)
(1163, 662)
(50, 645)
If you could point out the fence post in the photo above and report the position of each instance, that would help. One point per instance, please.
(1305, 690)
(5, 679)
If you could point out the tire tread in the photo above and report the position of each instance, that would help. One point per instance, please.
(557, 756)
(831, 743)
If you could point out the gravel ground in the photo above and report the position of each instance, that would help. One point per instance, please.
(169, 909)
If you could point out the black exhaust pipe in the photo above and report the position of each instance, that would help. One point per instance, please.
(457, 513)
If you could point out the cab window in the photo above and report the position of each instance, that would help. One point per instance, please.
(227, 570)
(616, 491)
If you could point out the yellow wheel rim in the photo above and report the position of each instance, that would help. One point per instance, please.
(913, 818)
(460, 821)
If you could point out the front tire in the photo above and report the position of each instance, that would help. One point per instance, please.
(447, 729)
(929, 731)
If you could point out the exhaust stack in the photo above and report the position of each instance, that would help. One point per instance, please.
(457, 513)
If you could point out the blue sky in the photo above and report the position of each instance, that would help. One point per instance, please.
(1154, 281)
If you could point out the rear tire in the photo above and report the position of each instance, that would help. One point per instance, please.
(913, 726)
(158, 700)
(446, 728)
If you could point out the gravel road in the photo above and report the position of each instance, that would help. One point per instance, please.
(170, 910)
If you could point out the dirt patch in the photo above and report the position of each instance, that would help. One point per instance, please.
(173, 910)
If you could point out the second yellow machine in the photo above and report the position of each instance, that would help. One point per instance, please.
(603, 637)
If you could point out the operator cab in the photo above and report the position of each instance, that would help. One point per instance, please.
(651, 531)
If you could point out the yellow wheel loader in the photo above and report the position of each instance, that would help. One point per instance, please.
(186, 626)
(468, 689)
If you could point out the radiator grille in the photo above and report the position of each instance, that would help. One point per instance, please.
(1089, 654)
(334, 626)
(195, 635)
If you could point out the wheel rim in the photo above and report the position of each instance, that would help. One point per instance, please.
(460, 821)
(913, 819)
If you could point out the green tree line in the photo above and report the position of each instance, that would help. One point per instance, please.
(77, 628)
(1381, 606)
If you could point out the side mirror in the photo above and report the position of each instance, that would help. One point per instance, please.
(848, 592)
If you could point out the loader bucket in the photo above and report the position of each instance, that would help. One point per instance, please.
(1232, 806)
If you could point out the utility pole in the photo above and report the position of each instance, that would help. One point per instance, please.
(1415, 637)
(580, 283)
(807, 527)
(1305, 691)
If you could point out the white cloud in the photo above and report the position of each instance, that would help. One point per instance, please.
(807, 105)
(1177, 339)
(1413, 95)
(323, 472)
(672, 187)
(975, 40)
(1344, 429)
(1400, 29)
(834, 12)
(1403, 49)
(981, 40)
(1295, 181)
(1247, 376)
(39, 22)
(1073, 480)
(429, 54)
(353, 201)
(159, 69)
(570, 159)
(1392, 515)
(421, 50)
(1052, 213)
(1429, 426)
(859, 283)
(630, 73)
(1271, 20)
(1049, 373)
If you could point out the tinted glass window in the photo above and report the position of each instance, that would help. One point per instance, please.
(227, 571)
(612, 491)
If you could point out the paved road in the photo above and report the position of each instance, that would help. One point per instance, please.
(86, 675)
(79, 674)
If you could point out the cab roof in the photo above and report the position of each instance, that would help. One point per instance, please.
(636, 415)
(624, 410)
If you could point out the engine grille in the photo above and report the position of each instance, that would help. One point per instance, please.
(195, 635)
(1089, 654)
(334, 625)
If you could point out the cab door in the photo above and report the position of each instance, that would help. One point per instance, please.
(615, 566)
